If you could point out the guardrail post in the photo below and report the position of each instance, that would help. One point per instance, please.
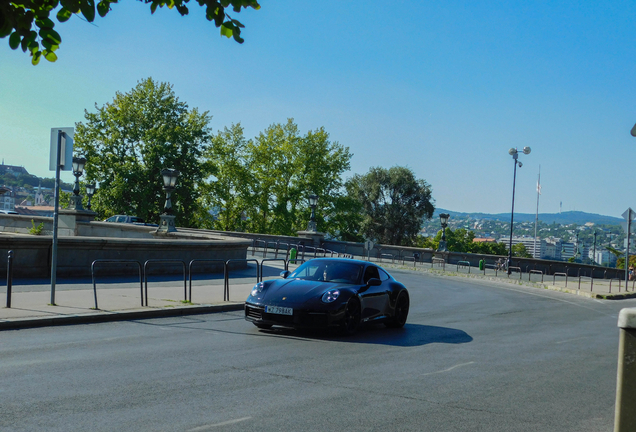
(625, 415)
(9, 276)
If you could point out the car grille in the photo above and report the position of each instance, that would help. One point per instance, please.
(254, 312)
(305, 319)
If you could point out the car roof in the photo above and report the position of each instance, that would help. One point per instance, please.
(344, 260)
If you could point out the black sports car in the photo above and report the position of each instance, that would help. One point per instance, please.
(329, 292)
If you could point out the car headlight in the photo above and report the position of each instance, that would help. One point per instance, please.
(258, 288)
(330, 296)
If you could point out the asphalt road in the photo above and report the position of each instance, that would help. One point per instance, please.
(472, 357)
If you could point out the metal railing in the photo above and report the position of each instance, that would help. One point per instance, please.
(531, 272)
(554, 275)
(166, 261)
(463, 264)
(511, 268)
(226, 294)
(619, 284)
(285, 265)
(107, 261)
(220, 261)
(439, 261)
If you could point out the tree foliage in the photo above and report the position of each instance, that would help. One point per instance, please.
(520, 250)
(29, 26)
(129, 141)
(394, 204)
(462, 240)
(261, 185)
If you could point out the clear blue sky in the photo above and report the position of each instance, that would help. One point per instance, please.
(445, 88)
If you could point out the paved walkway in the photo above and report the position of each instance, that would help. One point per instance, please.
(121, 298)
(117, 299)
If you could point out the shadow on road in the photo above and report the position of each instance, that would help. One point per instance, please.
(409, 336)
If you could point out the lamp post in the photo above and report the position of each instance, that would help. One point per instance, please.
(594, 250)
(90, 191)
(78, 170)
(443, 219)
(313, 202)
(515, 156)
(166, 223)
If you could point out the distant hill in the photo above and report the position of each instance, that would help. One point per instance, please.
(565, 218)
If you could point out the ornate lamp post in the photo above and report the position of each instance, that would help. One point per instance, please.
(166, 223)
(90, 191)
(443, 218)
(78, 170)
(515, 155)
(313, 202)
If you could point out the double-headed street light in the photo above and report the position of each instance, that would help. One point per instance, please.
(166, 223)
(78, 170)
(443, 219)
(90, 191)
(515, 155)
(313, 202)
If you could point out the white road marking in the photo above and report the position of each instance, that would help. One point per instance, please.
(211, 426)
(449, 369)
(572, 340)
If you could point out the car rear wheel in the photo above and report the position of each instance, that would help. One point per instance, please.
(263, 326)
(352, 316)
(401, 311)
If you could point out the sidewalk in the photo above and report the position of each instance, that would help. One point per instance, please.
(117, 300)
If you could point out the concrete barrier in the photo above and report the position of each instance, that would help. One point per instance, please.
(625, 414)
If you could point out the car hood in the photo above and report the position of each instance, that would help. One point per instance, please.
(296, 291)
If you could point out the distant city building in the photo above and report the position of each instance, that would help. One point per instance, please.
(7, 200)
(527, 241)
(604, 257)
(567, 250)
(552, 248)
(13, 170)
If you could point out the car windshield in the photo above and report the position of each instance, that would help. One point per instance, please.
(329, 271)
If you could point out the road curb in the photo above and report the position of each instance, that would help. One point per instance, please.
(110, 316)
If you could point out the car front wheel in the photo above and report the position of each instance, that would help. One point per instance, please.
(352, 316)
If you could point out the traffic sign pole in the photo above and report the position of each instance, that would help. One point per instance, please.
(629, 215)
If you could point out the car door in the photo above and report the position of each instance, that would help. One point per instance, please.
(374, 299)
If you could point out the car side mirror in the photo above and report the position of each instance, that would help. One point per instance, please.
(284, 274)
(374, 282)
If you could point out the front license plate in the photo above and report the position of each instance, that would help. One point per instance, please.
(279, 310)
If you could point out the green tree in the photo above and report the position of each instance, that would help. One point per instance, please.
(519, 250)
(29, 25)
(394, 204)
(228, 192)
(261, 185)
(462, 240)
(287, 168)
(129, 141)
(489, 248)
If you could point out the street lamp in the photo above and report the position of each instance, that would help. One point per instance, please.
(78, 170)
(313, 202)
(90, 191)
(167, 218)
(443, 219)
(515, 155)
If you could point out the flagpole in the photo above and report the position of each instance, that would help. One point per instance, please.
(536, 219)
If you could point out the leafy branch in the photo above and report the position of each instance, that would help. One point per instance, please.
(29, 26)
